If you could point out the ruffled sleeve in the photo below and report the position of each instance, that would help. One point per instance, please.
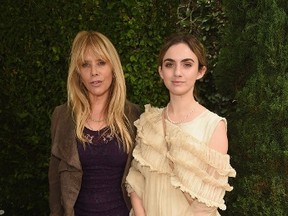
(135, 180)
(199, 170)
(150, 151)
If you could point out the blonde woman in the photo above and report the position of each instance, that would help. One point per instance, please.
(92, 134)
(181, 166)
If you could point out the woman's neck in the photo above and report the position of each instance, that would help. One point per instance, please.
(98, 108)
(180, 104)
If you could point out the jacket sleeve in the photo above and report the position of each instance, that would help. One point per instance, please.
(56, 208)
(132, 112)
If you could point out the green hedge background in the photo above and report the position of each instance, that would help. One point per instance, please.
(247, 83)
(253, 69)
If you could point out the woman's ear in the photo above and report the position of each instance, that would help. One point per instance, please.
(160, 72)
(201, 72)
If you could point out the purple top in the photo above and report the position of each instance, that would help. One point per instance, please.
(103, 163)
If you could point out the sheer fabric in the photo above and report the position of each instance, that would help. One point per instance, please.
(197, 170)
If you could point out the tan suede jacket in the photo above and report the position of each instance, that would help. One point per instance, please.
(65, 171)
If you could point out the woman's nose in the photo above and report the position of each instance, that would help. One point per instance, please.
(94, 71)
(177, 71)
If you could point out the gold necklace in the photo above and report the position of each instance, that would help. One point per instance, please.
(95, 129)
(90, 126)
(95, 120)
(182, 120)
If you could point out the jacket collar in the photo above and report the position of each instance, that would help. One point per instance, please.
(64, 142)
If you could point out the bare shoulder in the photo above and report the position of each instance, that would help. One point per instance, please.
(219, 140)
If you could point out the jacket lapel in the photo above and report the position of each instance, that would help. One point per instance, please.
(64, 143)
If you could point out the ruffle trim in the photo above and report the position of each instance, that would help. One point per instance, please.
(129, 189)
(198, 170)
(147, 156)
(150, 150)
(184, 146)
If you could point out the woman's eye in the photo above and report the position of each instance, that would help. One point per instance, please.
(188, 65)
(168, 65)
(101, 63)
(85, 65)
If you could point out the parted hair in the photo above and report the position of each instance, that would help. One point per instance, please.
(192, 42)
(78, 100)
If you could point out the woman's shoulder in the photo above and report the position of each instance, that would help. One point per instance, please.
(210, 116)
(151, 112)
(62, 108)
(62, 113)
(132, 110)
(132, 107)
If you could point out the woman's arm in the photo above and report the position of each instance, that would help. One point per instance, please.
(201, 209)
(56, 208)
(219, 140)
(137, 204)
(134, 186)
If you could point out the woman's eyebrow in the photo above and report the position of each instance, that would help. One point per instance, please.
(169, 59)
(187, 59)
(183, 60)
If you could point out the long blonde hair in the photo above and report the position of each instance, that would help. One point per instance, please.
(77, 94)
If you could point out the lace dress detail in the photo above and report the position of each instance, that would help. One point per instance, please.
(103, 163)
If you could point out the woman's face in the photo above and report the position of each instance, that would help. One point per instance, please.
(180, 70)
(96, 75)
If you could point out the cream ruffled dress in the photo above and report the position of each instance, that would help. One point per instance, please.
(197, 169)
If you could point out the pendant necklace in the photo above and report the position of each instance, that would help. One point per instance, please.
(182, 120)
